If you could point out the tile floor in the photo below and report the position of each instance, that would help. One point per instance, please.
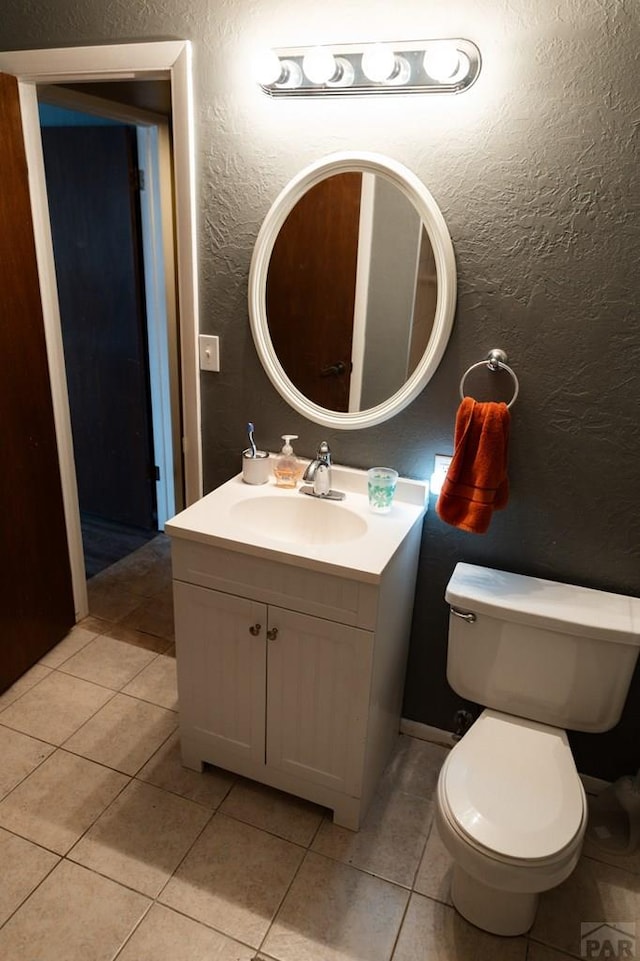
(110, 849)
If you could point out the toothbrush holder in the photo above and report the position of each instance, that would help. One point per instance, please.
(255, 469)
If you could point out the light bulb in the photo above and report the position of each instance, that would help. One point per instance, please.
(445, 63)
(267, 68)
(378, 62)
(319, 65)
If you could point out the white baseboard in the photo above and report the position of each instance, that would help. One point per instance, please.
(592, 785)
(426, 733)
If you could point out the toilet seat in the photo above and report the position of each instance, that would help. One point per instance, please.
(510, 789)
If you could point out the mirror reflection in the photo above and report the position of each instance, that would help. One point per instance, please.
(351, 292)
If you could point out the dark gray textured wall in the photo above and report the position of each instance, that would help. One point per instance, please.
(536, 171)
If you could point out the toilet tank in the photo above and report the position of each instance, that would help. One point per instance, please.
(555, 653)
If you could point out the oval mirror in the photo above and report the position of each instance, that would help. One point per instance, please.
(352, 290)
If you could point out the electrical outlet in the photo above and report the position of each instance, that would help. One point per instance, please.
(440, 468)
(441, 463)
(209, 352)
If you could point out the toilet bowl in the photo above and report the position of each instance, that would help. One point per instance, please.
(512, 812)
(541, 657)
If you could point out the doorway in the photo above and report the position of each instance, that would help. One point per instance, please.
(169, 60)
(116, 292)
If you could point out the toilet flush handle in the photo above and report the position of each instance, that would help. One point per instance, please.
(467, 616)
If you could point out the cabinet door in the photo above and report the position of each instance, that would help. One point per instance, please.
(221, 656)
(318, 699)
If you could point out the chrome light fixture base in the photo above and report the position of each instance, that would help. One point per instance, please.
(410, 74)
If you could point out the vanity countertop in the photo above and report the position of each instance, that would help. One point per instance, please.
(220, 519)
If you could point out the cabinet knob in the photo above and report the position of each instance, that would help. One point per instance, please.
(255, 629)
(272, 634)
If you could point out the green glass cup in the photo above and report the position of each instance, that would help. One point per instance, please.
(381, 483)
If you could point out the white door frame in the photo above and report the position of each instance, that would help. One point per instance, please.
(166, 60)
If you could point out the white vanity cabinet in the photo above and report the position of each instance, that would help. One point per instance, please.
(291, 676)
(284, 690)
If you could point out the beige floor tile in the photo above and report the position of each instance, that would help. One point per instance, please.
(108, 662)
(159, 645)
(287, 816)
(164, 935)
(28, 680)
(77, 638)
(124, 734)
(234, 879)
(594, 892)
(144, 572)
(56, 707)
(153, 616)
(336, 913)
(24, 865)
(20, 755)
(75, 915)
(390, 840)
(540, 952)
(157, 683)
(110, 601)
(607, 814)
(56, 804)
(435, 932)
(435, 871)
(627, 862)
(415, 766)
(165, 770)
(142, 837)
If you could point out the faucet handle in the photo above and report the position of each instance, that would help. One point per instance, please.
(324, 452)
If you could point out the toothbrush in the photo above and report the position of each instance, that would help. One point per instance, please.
(252, 443)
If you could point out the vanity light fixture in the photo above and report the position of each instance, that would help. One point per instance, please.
(418, 66)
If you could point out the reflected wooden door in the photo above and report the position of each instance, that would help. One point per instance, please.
(311, 287)
(36, 595)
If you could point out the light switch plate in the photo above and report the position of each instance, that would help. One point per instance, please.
(209, 352)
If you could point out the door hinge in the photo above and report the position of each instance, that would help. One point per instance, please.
(137, 178)
(156, 472)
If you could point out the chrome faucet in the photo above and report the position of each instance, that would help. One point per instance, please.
(318, 473)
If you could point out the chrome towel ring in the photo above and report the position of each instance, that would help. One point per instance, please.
(496, 360)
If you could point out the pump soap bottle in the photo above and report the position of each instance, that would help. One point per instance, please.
(286, 469)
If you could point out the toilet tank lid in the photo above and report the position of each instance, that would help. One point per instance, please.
(545, 604)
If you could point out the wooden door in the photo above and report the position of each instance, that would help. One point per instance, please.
(36, 594)
(92, 185)
(221, 675)
(311, 287)
(318, 699)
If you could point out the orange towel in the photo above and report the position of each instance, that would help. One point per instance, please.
(476, 483)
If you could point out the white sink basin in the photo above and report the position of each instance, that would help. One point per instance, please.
(299, 519)
(335, 537)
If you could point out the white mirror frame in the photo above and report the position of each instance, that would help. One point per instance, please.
(417, 193)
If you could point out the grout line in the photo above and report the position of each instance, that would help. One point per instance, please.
(33, 686)
(284, 897)
(401, 926)
(40, 882)
(424, 848)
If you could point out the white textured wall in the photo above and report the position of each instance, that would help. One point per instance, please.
(536, 171)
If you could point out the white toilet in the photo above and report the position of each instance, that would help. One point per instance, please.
(511, 809)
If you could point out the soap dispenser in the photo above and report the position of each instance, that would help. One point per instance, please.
(286, 469)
